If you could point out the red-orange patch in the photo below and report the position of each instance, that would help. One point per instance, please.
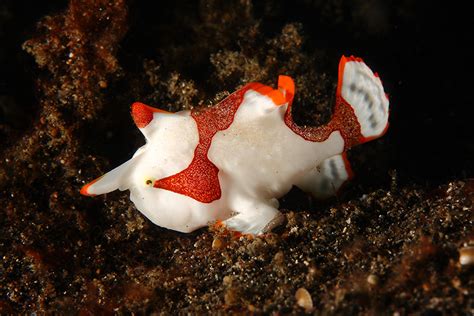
(142, 114)
(200, 179)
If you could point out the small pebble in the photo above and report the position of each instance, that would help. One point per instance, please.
(103, 84)
(466, 256)
(303, 299)
(217, 243)
(372, 279)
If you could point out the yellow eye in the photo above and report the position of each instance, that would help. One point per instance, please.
(148, 182)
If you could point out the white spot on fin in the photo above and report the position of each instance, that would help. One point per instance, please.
(326, 179)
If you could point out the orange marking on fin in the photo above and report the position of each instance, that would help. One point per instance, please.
(264, 90)
(142, 114)
(150, 108)
(340, 74)
(287, 84)
(276, 95)
(86, 187)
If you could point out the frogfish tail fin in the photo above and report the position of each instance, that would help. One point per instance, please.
(361, 103)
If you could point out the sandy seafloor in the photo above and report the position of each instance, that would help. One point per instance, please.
(390, 244)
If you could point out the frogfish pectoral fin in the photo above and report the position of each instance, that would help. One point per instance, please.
(111, 181)
(287, 86)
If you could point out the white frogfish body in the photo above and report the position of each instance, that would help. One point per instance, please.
(231, 162)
